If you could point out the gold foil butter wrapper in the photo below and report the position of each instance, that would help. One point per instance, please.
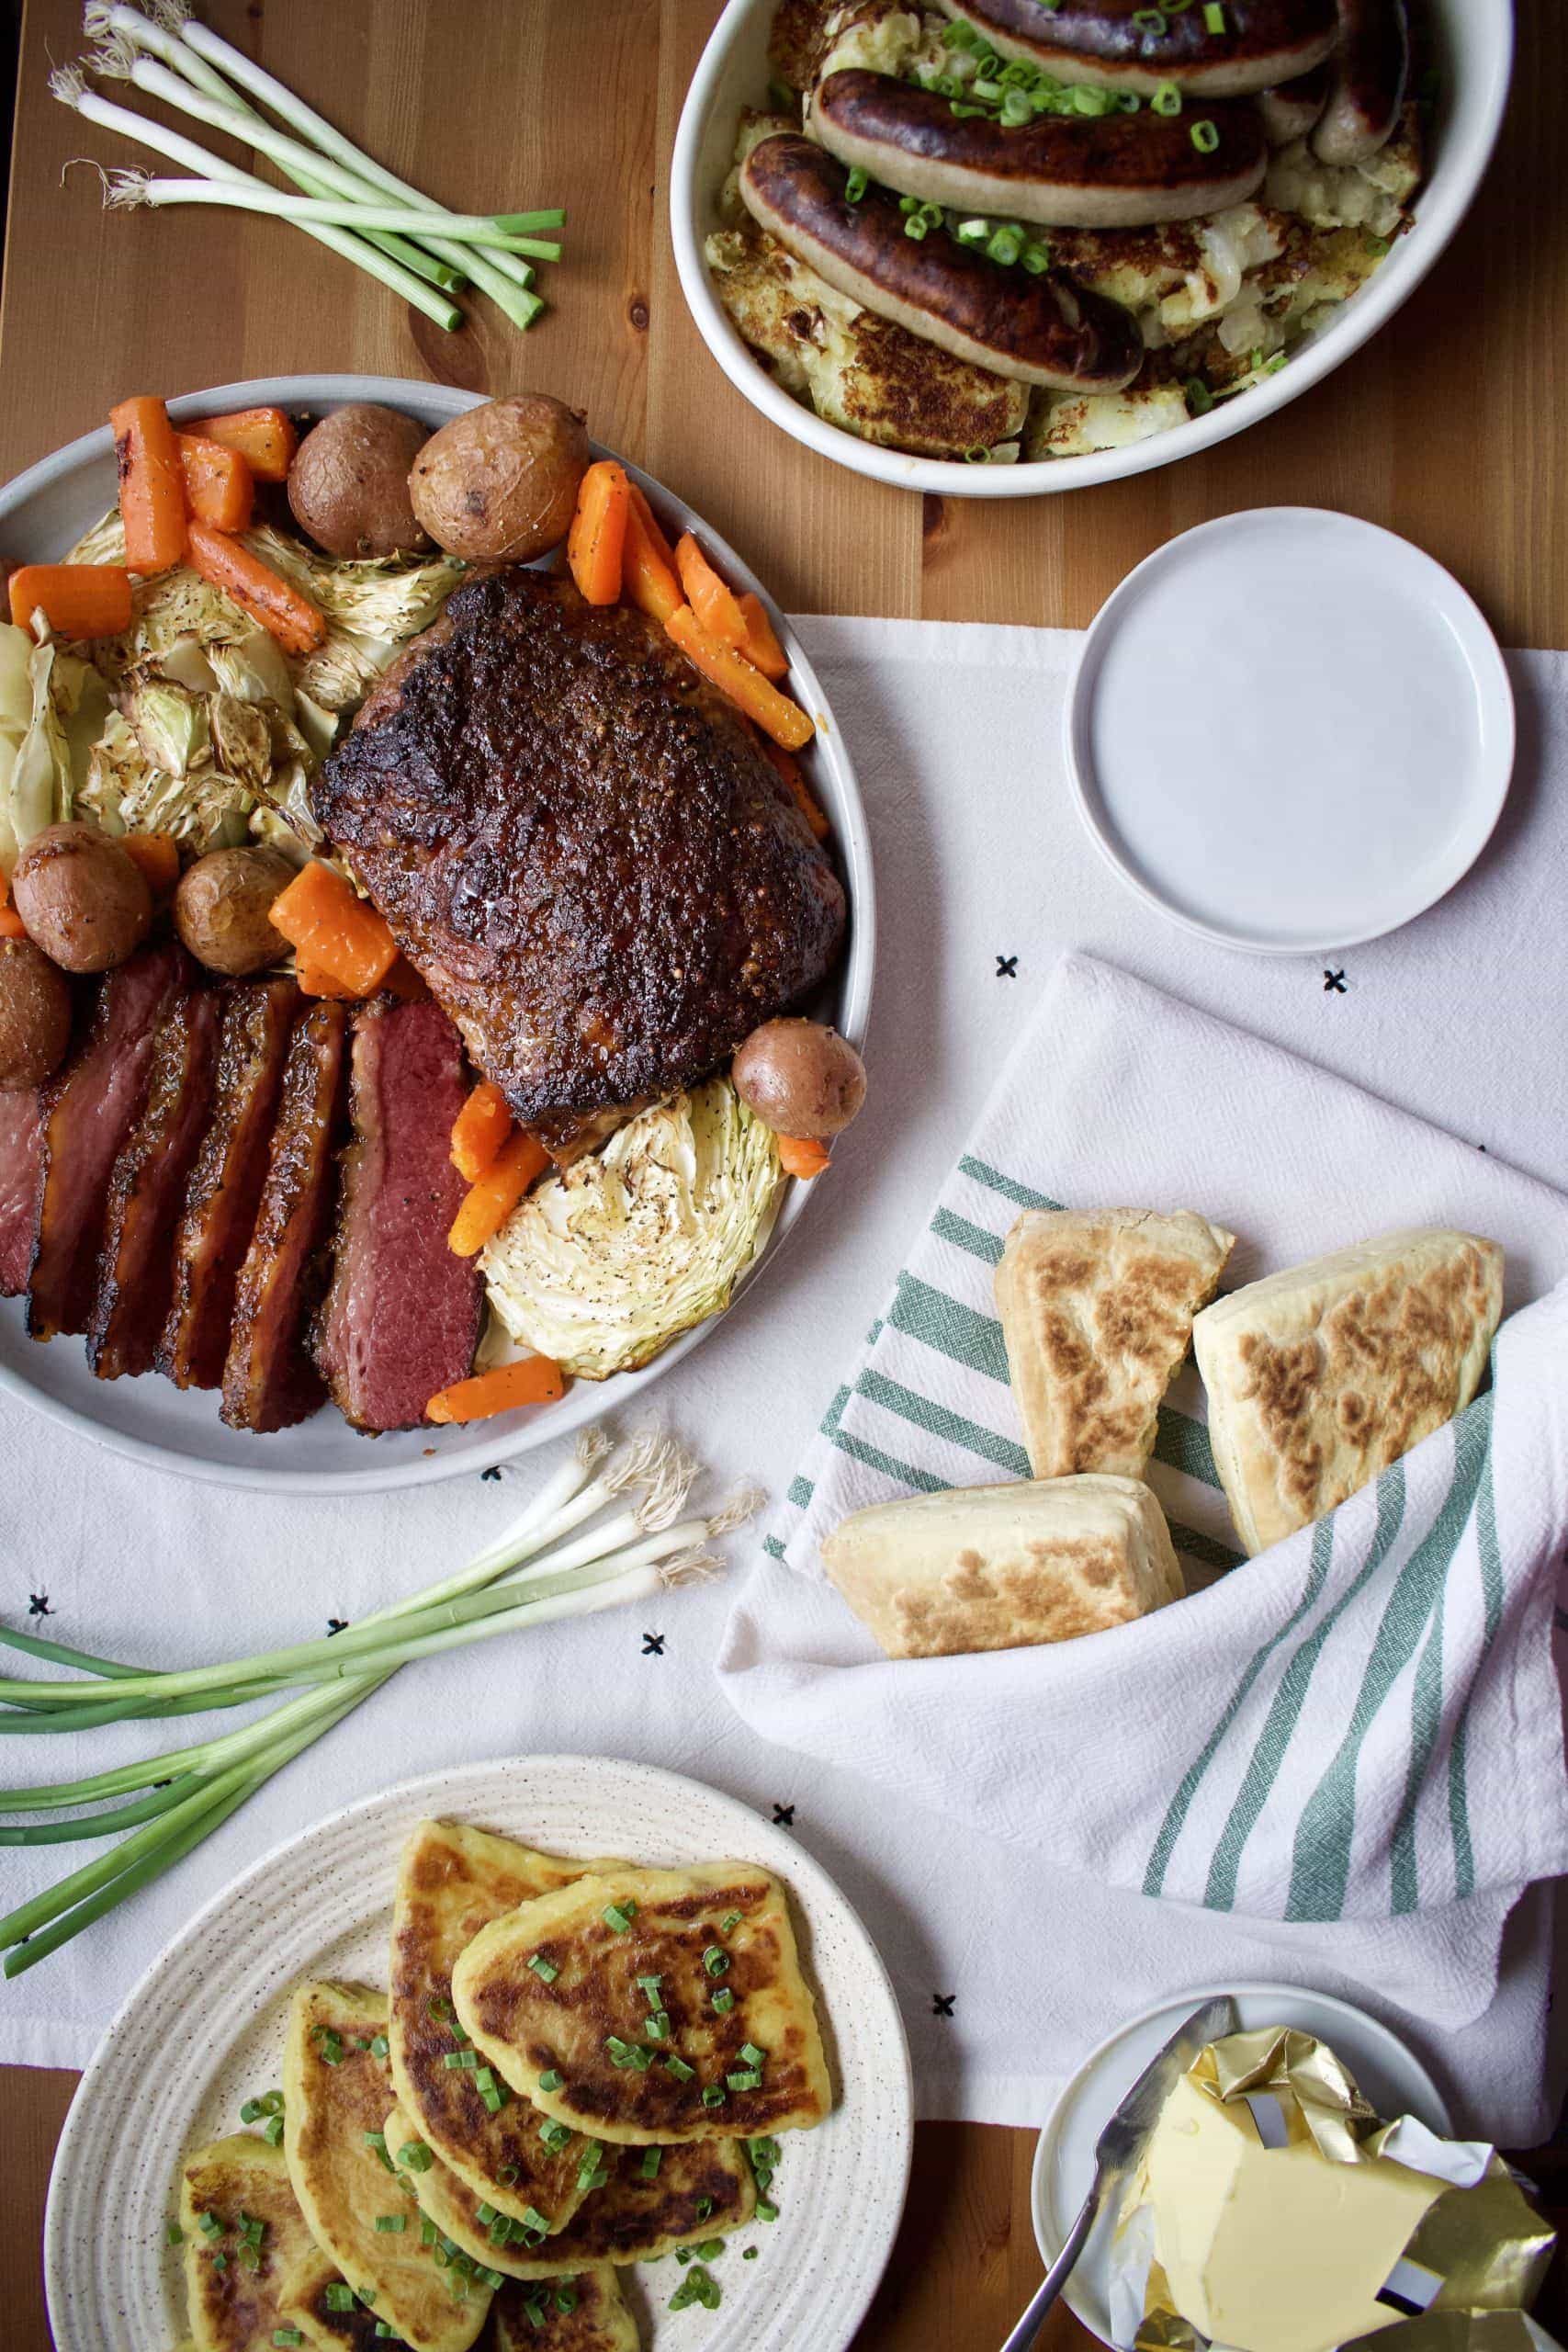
(1475, 2260)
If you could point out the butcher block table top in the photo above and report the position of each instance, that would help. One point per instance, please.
(1451, 427)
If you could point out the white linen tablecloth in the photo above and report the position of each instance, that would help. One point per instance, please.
(1008, 1968)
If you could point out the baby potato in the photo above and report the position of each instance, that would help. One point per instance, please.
(35, 1016)
(498, 484)
(222, 906)
(348, 483)
(800, 1077)
(82, 897)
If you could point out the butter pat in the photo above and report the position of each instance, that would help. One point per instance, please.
(1272, 2249)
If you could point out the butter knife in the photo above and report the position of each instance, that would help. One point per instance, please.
(1122, 2143)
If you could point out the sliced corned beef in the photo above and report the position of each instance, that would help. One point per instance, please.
(219, 1209)
(401, 1319)
(88, 1110)
(147, 1191)
(269, 1380)
(21, 1158)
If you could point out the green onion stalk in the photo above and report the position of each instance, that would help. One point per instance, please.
(330, 142)
(607, 1529)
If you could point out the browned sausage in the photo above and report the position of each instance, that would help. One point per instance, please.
(1114, 171)
(1263, 43)
(1041, 330)
(1289, 111)
(1368, 88)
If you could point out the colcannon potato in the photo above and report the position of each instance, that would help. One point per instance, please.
(499, 483)
(220, 910)
(800, 1077)
(35, 1015)
(348, 485)
(82, 897)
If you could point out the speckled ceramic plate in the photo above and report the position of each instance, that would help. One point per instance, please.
(41, 514)
(203, 2030)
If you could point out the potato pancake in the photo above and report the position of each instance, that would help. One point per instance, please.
(337, 2095)
(584, 2313)
(453, 1880)
(651, 2006)
(248, 2249)
(700, 2189)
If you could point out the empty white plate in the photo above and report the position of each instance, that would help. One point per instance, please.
(1389, 2074)
(1289, 731)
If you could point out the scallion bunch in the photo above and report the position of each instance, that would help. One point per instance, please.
(348, 201)
(605, 1529)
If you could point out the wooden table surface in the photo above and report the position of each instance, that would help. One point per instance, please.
(1451, 427)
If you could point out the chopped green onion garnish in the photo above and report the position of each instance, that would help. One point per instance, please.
(683, 2255)
(491, 2279)
(272, 2130)
(221, 2261)
(337, 2297)
(751, 2055)
(710, 2249)
(173, 2234)
(713, 2095)
(651, 1988)
(1036, 257)
(1167, 99)
(287, 2335)
(507, 2176)
(1205, 136)
(551, 2079)
(1200, 398)
(750, 2255)
(715, 1962)
(657, 2026)
(619, 1915)
(731, 1919)
(1378, 245)
(958, 35)
(1215, 16)
(377, 2140)
(917, 228)
(628, 2055)
(380, 2047)
(766, 2212)
(329, 2045)
(856, 185)
(1149, 20)
(535, 2307)
(544, 1970)
(702, 2208)
(534, 2220)
(1005, 245)
(414, 2156)
(385, 2327)
(441, 2008)
(484, 2215)
(210, 2225)
(678, 2068)
(724, 1999)
(494, 2100)
(556, 2136)
(458, 2062)
(567, 2297)
(973, 231)
(749, 2080)
(391, 2225)
(651, 2160)
(428, 2233)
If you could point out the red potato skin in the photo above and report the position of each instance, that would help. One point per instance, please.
(1267, 42)
(801, 1078)
(1066, 171)
(1043, 330)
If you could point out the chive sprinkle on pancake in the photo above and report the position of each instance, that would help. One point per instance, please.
(648, 2006)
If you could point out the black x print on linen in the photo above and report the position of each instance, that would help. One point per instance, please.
(942, 2004)
(653, 1646)
(38, 1605)
(1334, 982)
(493, 1473)
(336, 1625)
(1007, 968)
(784, 1816)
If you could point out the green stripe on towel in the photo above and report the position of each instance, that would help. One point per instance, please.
(1426, 1718)
(1321, 1865)
(888, 1464)
(954, 1329)
(1020, 1195)
(937, 1420)
(948, 1226)
(1491, 1600)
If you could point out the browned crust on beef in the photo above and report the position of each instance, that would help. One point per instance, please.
(21, 1153)
(269, 1379)
(579, 843)
(88, 1110)
(147, 1190)
(220, 1201)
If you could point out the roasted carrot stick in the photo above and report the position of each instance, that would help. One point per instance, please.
(220, 488)
(762, 648)
(311, 980)
(11, 924)
(158, 855)
(806, 801)
(711, 601)
(491, 1200)
(650, 525)
(151, 485)
(77, 599)
(479, 1131)
(534, 1381)
(334, 932)
(802, 1156)
(646, 579)
(597, 539)
(264, 437)
(257, 588)
(774, 713)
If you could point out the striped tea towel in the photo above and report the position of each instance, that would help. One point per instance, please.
(1361, 1725)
